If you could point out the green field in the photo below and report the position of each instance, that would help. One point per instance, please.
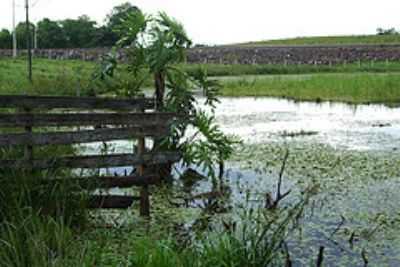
(333, 40)
(351, 88)
(53, 77)
(50, 77)
(364, 82)
(278, 69)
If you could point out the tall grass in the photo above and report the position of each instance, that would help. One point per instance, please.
(61, 77)
(281, 69)
(255, 239)
(37, 215)
(50, 77)
(34, 241)
(354, 88)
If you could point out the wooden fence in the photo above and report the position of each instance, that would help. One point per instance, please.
(72, 120)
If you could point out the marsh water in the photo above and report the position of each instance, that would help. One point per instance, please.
(351, 156)
(350, 152)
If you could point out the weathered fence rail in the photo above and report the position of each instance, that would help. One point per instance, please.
(50, 102)
(85, 119)
(104, 119)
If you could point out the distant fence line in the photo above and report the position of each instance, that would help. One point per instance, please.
(316, 55)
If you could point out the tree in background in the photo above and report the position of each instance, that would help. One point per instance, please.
(50, 34)
(116, 18)
(104, 37)
(22, 35)
(79, 33)
(73, 33)
(391, 31)
(5, 39)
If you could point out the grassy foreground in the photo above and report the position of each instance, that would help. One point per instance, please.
(333, 40)
(45, 224)
(351, 88)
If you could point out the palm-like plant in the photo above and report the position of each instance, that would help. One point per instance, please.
(155, 45)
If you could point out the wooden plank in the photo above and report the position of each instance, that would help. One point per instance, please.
(59, 120)
(50, 102)
(65, 138)
(111, 202)
(144, 192)
(28, 148)
(106, 182)
(116, 160)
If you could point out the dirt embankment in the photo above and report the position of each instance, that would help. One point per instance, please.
(250, 55)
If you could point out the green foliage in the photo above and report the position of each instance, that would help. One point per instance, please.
(391, 31)
(39, 191)
(79, 33)
(51, 34)
(34, 241)
(117, 16)
(210, 87)
(72, 33)
(155, 46)
(254, 239)
(38, 212)
(5, 39)
(154, 42)
(22, 35)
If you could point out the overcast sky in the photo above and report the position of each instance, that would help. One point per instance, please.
(233, 21)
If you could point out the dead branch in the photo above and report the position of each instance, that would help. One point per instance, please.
(339, 226)
(320, 259)
(364, 257)
(271, 203)
(288, 261)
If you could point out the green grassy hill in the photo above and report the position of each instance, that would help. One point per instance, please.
(333, 40)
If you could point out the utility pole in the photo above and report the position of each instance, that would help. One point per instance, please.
(35, 45)
(14, 33)
(28, 41)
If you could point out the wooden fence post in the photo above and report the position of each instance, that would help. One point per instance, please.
(28, 153)
(144, 190)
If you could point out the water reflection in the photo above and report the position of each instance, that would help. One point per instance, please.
(362, 127)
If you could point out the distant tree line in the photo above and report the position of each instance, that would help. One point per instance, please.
(70, 33)
(390, 31)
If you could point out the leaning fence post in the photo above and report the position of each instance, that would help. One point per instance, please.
(28, 152)
(144, 190)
